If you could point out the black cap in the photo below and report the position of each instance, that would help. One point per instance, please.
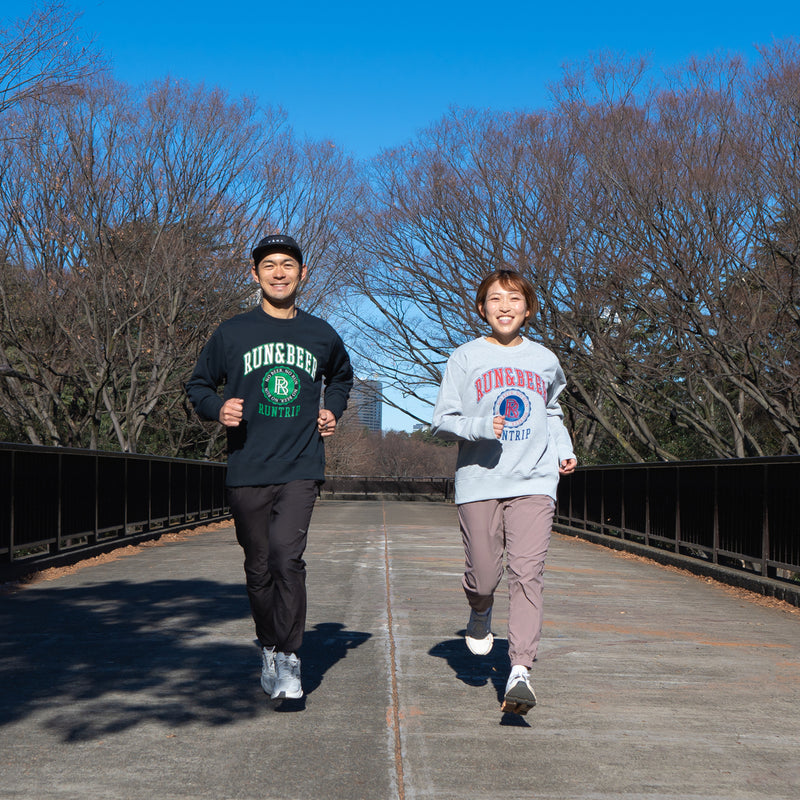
(277, 243)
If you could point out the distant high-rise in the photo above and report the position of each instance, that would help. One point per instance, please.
(366, 404)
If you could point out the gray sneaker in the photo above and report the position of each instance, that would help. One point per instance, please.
(479, 632)
(288, 683)
(519, 697)
(268, 672)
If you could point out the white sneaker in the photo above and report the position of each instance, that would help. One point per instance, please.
(268, 672)
(479, 632)
(288, 683)
(519, 697)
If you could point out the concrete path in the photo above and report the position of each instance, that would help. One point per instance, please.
(138, 679)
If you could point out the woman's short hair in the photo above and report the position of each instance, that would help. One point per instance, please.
(510, 280)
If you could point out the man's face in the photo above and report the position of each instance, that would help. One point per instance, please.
(279, 276)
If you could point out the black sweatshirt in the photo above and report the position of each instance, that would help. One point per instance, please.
(277, 367)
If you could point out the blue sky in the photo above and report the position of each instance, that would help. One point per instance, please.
(370, 75)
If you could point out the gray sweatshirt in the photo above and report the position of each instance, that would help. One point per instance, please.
(522, 384)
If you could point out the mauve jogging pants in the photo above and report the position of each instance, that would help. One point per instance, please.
(522, 526)
(272, 528)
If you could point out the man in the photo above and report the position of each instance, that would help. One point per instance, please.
(272, 361)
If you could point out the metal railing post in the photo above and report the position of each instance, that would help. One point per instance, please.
(765, 544)
(677, 511)
(715, 534)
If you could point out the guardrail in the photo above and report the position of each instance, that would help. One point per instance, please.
(743, 514)
(59, 502)
(363, 487)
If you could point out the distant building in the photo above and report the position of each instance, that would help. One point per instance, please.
(366, 404)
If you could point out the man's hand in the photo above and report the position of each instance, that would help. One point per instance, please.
(326, 422)
(230, 415)
(498, 423)
(568, 466)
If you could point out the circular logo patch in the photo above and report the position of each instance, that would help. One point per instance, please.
(514, 406)
(281, 385)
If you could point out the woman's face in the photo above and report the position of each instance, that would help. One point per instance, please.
(506, 311)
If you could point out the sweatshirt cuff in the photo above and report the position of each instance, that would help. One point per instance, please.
(337, 409)
(487, 428)
(212, 407)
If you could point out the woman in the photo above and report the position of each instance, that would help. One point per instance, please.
(499, 399)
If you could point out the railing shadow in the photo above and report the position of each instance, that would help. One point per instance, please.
(103, 658)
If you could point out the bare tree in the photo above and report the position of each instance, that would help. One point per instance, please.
(313, 190)
(128, 220)
(658, 220)
(659, 227)
(687, 206)
(44, 57)
(350, 450)
(356, 451)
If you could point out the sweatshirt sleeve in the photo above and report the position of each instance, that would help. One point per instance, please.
(209, 373)
(338, 379)
(555, 418)
(449, 421)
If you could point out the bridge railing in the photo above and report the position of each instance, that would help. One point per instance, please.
(742, 513)
(358, 487)
(55, 502)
